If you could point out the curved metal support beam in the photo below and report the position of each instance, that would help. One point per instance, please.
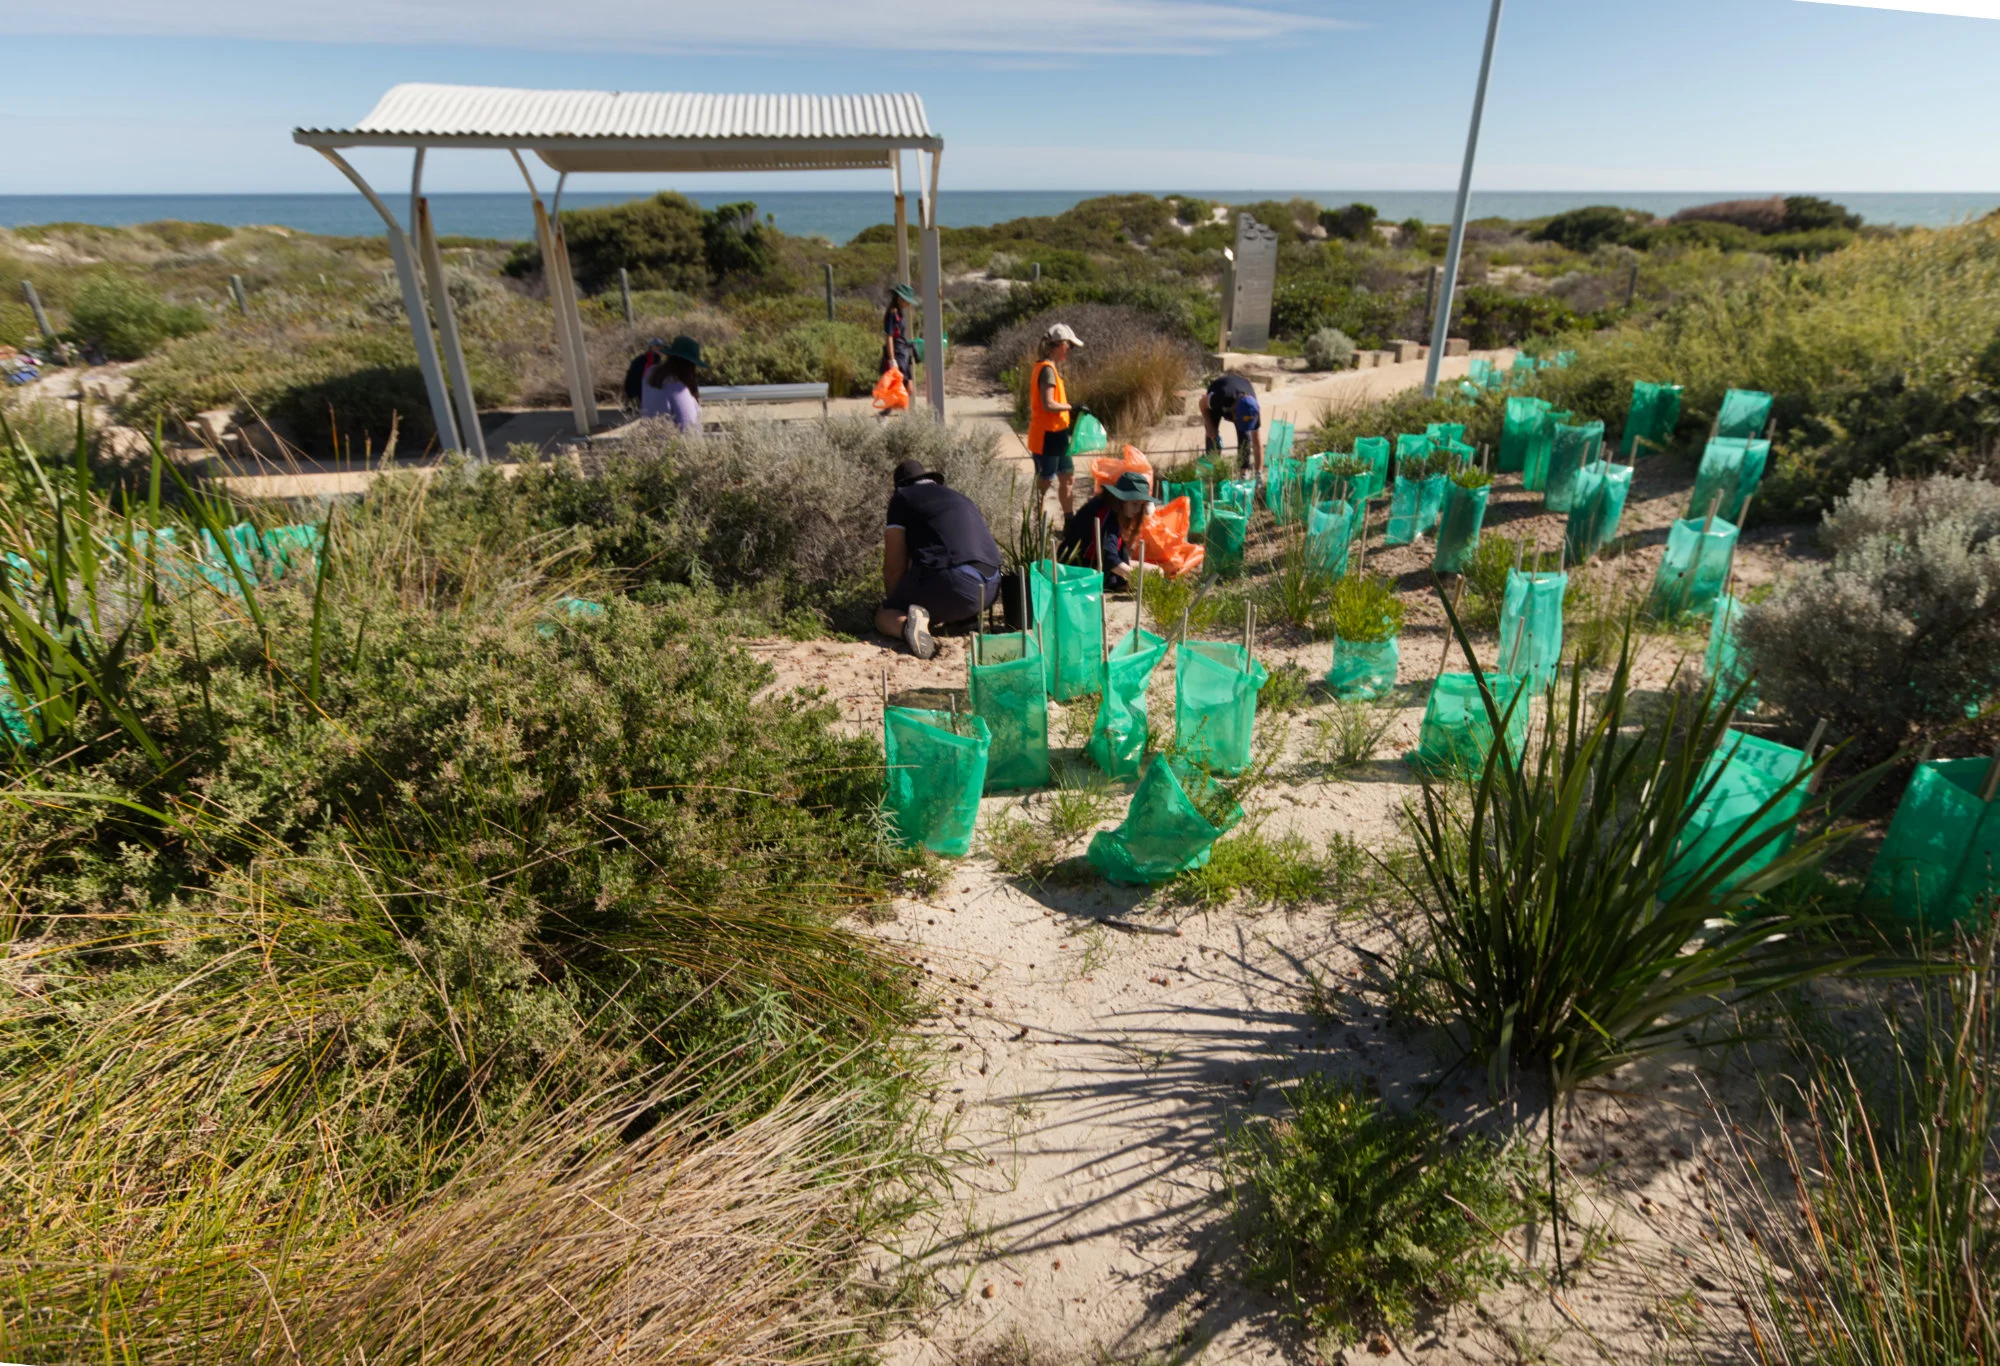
(447, 318)
(934, 343)
(413, 304)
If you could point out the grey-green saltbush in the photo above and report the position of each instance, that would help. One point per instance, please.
(1329, 349)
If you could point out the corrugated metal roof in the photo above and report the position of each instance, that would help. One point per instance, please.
(527, 116)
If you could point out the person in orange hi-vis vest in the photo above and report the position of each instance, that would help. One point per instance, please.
(1050, 415)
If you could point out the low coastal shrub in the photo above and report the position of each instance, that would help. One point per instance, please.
(791, 510)
(1366, 1218)
(1365, 608)
(1881, 358)
(1329, 349)
(128, 319)
(374, 917)
(1129, 371)
(1898, 636)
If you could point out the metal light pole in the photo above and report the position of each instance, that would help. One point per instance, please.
(1441, 328)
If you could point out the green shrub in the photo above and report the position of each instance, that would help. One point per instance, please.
(843, 355)
(1329, 349)
(1129, 371)
(1365, 1218)
(1365, 609)
(1882, 358)
(1898, 635)
(658, 240)
(126, 318)
(1492, 318)
(1587, 229)
(1356, 222)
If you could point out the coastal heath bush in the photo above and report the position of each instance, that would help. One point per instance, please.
(128, 319)
(1899, 634)
(1129, 371)
(1329, 349)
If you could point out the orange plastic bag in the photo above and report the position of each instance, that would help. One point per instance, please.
(1165, 532)
(1104, 470)
(891, 393)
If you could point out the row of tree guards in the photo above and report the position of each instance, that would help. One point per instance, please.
(1938, 862)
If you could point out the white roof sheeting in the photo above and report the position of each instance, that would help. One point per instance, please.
(610, 130)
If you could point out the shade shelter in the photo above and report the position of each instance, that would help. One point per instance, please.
(656, 133)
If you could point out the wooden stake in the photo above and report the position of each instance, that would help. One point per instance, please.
(1249, 634)
(1991, 787)
(1812, 751)
(1139, 595)
(885, 690)
(1103, 600)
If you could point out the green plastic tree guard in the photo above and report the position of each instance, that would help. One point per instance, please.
(1721, 662)
(1071, 615)
(1196, 493)
(290, 547)
(1753, 772)
(1240, 494)
(1118, 740)
(1694, 569)
(1446, 433)
(1731, 469)
(1456, 738)
(1089, 437)
(1215, 704)
(1279, 446)
(1228, 526)
(1412, 446)
(1375, 450)
(1430, 501)
(1363, 670)
(1526, 427)
(1531, 626)
(935, 775)
(1568, 454)
(1655, 411)
(1596, 508)
(1284, 490)
(12, 719)
(1745, 413)
(1458, 527)
(1940, 864)
(1405, 511)
(1011, 695)
(1329, 532)
(1176, 816)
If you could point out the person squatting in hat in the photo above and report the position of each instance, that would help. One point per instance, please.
(1112, 521)
(1050, 418)
(1234, 398)
(896, 348)
(671, 388)
(939, 561)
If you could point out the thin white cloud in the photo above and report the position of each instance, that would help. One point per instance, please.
(1050, 27)
(1968, 9)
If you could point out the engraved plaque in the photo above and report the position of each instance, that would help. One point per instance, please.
(1256, 277)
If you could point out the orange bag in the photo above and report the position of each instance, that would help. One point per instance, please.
(1105, 470)
(891, 393)
(1165, 532)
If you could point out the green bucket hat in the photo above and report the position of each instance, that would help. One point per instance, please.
(689, 350)
(1130, 487)
(905, 293)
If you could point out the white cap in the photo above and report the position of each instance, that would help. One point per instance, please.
(1062, 332)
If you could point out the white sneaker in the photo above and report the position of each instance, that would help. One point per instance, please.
(917, 633)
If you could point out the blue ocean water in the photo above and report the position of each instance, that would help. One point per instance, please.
(839, 214)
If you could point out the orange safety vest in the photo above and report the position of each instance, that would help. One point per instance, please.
(1040, 420)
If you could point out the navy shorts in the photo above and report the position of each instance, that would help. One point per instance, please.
(1055, 458)
(958, 594)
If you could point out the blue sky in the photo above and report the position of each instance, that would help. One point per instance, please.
(199, 96)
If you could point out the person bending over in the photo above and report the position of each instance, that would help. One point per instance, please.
(671, 389)
(635, 373)
(1050, 415)
(939, 561)
(1112, 521)
(1233, 398)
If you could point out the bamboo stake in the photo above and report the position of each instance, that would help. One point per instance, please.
(885, 690)
(1991, 787)
(1139, 595)
(1103, 600)
(1249, 634)
(1812, 749)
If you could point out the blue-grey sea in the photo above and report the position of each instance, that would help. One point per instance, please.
(839, 214)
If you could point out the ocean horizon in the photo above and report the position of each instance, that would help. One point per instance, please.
(838, 215)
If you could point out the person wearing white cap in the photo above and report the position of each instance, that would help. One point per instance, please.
(1050, 414)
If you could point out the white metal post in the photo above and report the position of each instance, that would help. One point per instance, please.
(545, 239)
(1448, 287)
(413, 304)
(579, 350)
(934, 357)
(902, 225)
(447, 319)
